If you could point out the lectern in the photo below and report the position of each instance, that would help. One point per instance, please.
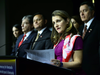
(20, 66)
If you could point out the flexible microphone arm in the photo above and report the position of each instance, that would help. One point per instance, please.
(4, 45)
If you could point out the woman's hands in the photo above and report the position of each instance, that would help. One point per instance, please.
(76, 63)
(56, 62)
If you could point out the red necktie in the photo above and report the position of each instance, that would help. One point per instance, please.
(85, 30)
(21, 41)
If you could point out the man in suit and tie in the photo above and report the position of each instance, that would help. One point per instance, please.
(91, 40)
(44, 40)
(24, 40)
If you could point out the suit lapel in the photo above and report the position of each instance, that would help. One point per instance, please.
(26, 40)
(19, 39)
(41, 37)
(89, 31)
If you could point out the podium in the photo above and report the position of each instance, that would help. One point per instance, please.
(20, 66)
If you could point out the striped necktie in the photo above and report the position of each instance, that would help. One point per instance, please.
(85, 30)
(35, 40)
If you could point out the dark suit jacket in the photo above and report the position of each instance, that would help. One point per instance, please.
(91, 48)
(24, 45)
(44, 41)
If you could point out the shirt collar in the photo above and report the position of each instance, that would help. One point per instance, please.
(27, 34)
(41, 31)
(89, 23)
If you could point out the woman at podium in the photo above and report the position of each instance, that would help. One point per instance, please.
(68, 44)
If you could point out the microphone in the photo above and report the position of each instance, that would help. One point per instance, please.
(5, 44)
(2, 45)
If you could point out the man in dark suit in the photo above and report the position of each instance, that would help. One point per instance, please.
(44, 40)
(91, 40)
(23, 43)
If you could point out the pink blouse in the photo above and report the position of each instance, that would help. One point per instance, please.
(58, 49)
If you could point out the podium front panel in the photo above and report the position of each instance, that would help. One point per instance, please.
(7, 66)
(22, 66)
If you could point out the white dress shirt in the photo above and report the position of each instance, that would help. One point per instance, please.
(27, 34)
(88, 24)
(41, 31)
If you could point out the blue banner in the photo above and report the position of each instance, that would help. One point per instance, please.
(7, 66)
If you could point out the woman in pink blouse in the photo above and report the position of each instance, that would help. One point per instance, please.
(68, 44)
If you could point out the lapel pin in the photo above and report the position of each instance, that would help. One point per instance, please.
(26, 39)
(90, 30)
(41, 36)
